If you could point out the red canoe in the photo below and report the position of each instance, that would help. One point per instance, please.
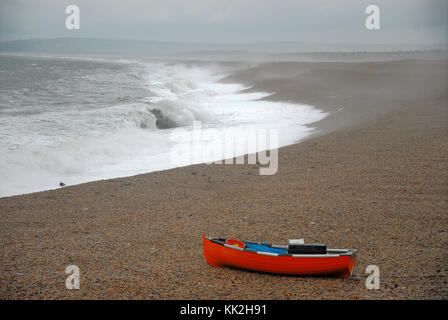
(276, 259)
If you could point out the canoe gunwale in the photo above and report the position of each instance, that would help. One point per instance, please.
(333, 253)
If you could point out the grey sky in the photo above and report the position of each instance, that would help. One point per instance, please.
(322, 21)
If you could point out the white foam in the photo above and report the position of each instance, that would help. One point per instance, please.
(39, 151)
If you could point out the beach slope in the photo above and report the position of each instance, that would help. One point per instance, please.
(373, 178)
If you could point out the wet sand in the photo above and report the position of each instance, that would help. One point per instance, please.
(374, 178)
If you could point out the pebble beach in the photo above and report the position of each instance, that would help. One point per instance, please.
(373, 177)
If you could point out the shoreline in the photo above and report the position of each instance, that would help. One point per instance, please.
(373, 179)
(354, 107)
(30, 184)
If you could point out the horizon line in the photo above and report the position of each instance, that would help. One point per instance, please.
(230, 43)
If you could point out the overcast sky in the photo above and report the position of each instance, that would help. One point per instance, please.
(322, 21)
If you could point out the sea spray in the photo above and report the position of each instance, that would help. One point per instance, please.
(116, 118)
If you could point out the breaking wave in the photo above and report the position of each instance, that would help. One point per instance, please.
(76, 143)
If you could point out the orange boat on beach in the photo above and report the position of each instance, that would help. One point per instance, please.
(296, 258)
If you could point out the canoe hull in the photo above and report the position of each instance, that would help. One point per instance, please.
(218, 255)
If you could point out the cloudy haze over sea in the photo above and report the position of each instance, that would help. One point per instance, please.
(325, 21)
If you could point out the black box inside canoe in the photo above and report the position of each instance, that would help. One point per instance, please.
(307, 248)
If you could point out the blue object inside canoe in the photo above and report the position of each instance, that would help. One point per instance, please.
(260, 247)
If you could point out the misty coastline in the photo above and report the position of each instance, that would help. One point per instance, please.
(257, 51)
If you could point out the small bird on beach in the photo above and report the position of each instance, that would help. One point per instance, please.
(61, 184)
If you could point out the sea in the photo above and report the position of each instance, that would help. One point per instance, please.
(72, 120)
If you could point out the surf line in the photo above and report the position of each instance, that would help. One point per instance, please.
(229, 144)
